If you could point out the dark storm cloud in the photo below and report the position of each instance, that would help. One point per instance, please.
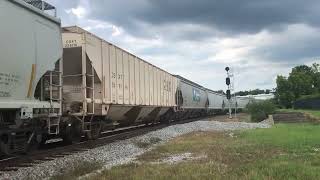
(198, 38)
(233, 16)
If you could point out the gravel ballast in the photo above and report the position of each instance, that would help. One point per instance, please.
(124, 151)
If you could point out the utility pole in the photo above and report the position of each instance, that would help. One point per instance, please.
(235, 96)
(228, 82)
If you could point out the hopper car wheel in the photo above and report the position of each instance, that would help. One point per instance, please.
(73, 133)
(4, 147)
(95, 131)
(44, 139)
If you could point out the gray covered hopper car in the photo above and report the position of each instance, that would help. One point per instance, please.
(192, 99)
(242, 102)
(216, 102)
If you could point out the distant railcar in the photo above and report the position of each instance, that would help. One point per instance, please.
(191, 101)
(216, 102)
(242, 102)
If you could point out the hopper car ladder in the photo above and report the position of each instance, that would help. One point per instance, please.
(89, 99)
(55, 96)
(85, 116)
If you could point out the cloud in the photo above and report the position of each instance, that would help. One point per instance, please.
(229, 16)
(79, 12)
(258, 39)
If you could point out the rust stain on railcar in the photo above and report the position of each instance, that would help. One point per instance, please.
(33, 71)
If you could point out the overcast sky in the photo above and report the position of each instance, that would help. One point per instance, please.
(198, 39)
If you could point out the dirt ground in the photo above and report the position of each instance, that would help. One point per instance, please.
(241, 117)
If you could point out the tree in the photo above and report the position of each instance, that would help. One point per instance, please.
(316, 77)
(301, 81)
(315, 67)
(268, 91)
(252, 92)
(283, 93)
(220, 92)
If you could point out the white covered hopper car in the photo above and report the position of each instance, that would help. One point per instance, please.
(69, 83)
(116, 87)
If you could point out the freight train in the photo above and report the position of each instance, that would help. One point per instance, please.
(69, 83)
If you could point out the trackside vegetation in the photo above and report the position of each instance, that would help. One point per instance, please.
(285, 151)
(303, 82)
(259, 110)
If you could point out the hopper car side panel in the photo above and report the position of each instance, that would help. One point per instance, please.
(30, 46)
(142, 83)
(242, 102)
(193, 100)
(113, 75)
(132, 80)
(193, 97)
(127, 79)
(126, 76)
(137, 81)
(119, 89)
(106, 77)
(216, 101)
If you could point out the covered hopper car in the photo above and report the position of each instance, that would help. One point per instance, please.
(30, 74)
(105, 83)
(69, 83)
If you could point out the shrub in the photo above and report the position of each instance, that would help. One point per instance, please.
(259, 110)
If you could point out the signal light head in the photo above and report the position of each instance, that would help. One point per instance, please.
(228, 94)
(228, 81)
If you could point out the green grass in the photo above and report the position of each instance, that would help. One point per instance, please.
(315, 113)
(291, 138)
(285, 151)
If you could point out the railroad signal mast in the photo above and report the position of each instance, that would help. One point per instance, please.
(230, 88)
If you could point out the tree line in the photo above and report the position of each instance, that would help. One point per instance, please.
(253, 92)
(250, 92)
(302, 81)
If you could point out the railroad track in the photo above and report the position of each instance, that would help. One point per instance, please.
(14, 163)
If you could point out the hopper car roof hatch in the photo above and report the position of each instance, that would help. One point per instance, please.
(42, 5)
